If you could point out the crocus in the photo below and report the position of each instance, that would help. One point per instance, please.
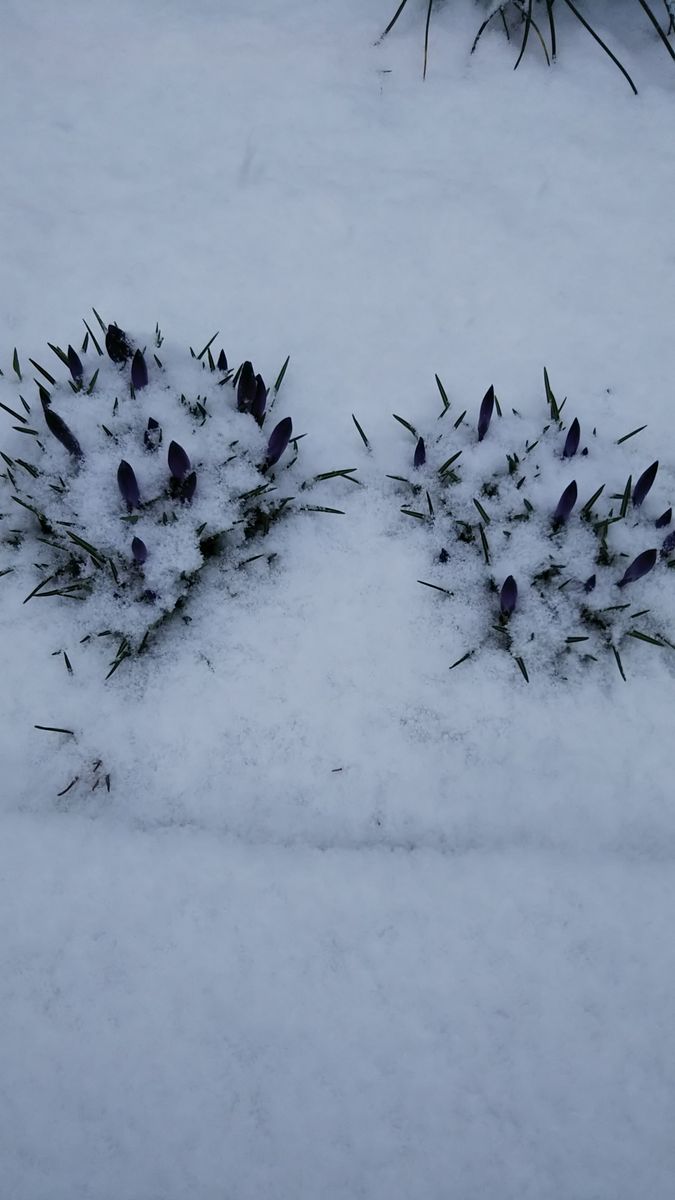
(222, 361)
(139, 551)
(565, 504)
(508, 597)
(75, 364)
(640, 566)
(61, 432)
(246, 387)
(279, 439)
(664, 519)
(420, 454)
(644, 484)
(179, 463)
(589, 584)
(572, 440)
(139, 372)
(128, 485)
(259, 400)
(485, 414)
(668, 545)
(117, 344)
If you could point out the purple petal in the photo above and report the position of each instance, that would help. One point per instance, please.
(589, 584)
(139, 551)
(664, 519)
(640, 566)
(566, 504)
(61, 432)
(259, 400)
(246, 387)
(128, 485)
(508, 597)
(644, 484)
(139, 372)
(75, 364)
(420, 454)
(117, 344)
(485, 414)
(668, 545)
(572, 440)
(179, 463)
(279, 439)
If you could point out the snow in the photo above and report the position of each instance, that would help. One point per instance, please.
(347, 923)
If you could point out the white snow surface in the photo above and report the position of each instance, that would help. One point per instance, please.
(347, 924)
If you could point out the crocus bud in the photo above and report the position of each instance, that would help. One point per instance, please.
(139, 551)
(485, 414)
(508, 597)
(279, 439)
(117, 344)
(75, 364)
(222, 361)
(644, 484)
(179, 463)
(565, 504)
(61, 432)
(246, 387)
(664, 519)
(139, 372)
(572, 440)
(420, 454)
(259, 400)
(640, 566)
(589, 584)
(128, 485)
(668, 545)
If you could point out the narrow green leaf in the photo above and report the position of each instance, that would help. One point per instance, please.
(482, 511)
(91, 335)
(645, 637)
(406, 424)
(523, 669)
(364, 439)
(464, 658)
(207, 346)
(15, 364)
(632, 433)
(435, 587)
(48, 377)
(619, 663)
(448, 462)
(100, 320)
(55, 729)
(444, 395)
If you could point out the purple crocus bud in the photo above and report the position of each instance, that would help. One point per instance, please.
(644, 484)
(508, 597)
(420, 454)
(246, 388)
(153, 434)
(128, 485)
(188, 487)
(640, 566)
(259, 400)
(179, 463)
(222, 361)
(61, 432)
(572, 440)
(75, 364)
(117, 344)
(589, 584)
(664, 519)
(279, 439)
(139, 372)
(485, 414)
(565, 504)
(668, 545)
(139, 551)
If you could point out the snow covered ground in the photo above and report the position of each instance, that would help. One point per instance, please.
(347, 924)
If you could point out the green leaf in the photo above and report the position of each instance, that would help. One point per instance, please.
(207, 346)
(364, 439)
(585, 511)
(444, 395)
(448, 462)
(619, 663)
(632, 433)
(464, 658)
(550, 398)
(406, 424)
(645, 637)
(48, 377)
(435, 587)
(15, 364)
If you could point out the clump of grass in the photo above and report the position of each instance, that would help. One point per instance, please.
(139, 476)
(564, 567)
(535, 21)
